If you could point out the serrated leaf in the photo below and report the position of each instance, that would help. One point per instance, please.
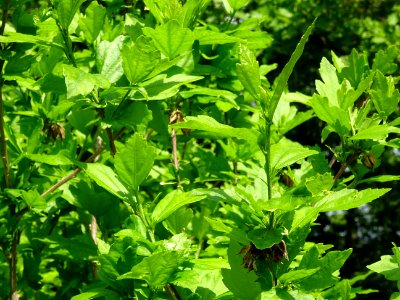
(387, 266)
(287, 71)
(93, 21)
(355, 71)
(105, 177)
(51, 159)
(134, 162)
(296, 275)
(286, 153)
(108, 59)
(248, 72)
(348, 198)
(234, 5)
(384, 60)
(172, 202)
(330, 85)
(376, 132)
(218, 130)
(384, 94)
(336, 117)
(210, 37)
(264, 238)
(79, 82)
(162, 87)
(171, 38)
(139, 59)
(380, 178)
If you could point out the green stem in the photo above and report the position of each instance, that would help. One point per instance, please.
(267, 166)
(142, 216)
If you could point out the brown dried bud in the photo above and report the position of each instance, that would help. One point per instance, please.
(369, 160)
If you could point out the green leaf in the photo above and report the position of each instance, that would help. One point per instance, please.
(105, 177)
(162, 87)
(287, 71)
(348, 198)
(172, 202)
(156, 270)
(215, 129)
(380, 178)
(238, 280)
(134, 161)
(336, 117)
(210, 37)
(108, 59)
(248, 72)
(66, 10)
(93, 21)
(375, 132)
(97, 293)
(387, 266)
(79, 82)
(232, 6)
(286, 153)
(355, 71)
(384, 60)
(296, 275)
(384, 94)
(265, 238)
(51, 159)
(171, 38)
(320, 183)
(164, 10)
(33, 199)
(330, 85)
(17, 37)
(328, 264)
(139, 59)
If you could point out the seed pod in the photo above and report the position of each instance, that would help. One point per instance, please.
(369, 160)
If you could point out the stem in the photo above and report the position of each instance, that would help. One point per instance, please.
(267, 166)
(12, 256)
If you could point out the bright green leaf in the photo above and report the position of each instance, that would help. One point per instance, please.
(248, 72)
(108, 59)
(134, 162)
(171, 39)
(105, 177)
(172, 202)
(348, 198)
(139, 59)
(93, 21)
(66, 10)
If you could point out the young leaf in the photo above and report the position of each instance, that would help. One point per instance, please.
(105, 177)
(134, 162)
(97, 293)
(330, 85)
(248, 72)
(387, 266)
(172, 202)
(171, 39)
(139, 59)
(355, 71)
(287, 71)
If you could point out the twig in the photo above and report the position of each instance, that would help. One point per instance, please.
(77, 170)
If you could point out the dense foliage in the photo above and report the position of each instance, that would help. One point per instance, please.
(162, 150)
